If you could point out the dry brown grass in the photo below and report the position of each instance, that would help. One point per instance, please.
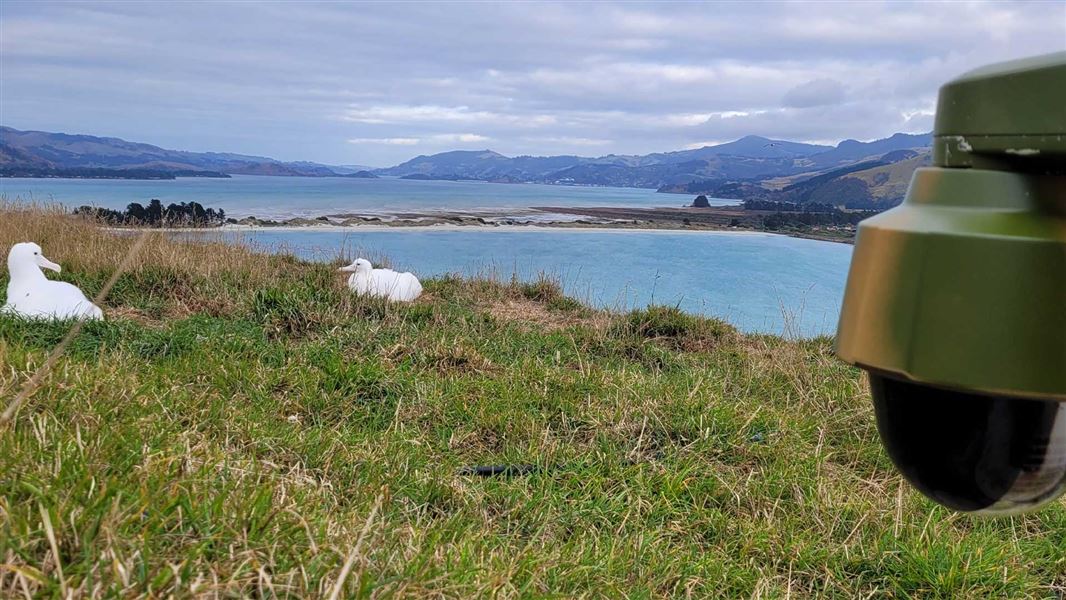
(536, 315)
(66, 239)
(185, 277)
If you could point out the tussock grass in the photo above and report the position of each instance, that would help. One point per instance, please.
(242, 426)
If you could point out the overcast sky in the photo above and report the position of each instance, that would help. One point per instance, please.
(377, 84)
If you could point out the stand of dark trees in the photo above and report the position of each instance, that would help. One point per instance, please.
(876, 205)
(783, 220)
(793, 215)
(813, 207)
(186, 214)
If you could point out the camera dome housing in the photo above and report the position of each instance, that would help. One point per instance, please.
(973, 452)
(956, 300)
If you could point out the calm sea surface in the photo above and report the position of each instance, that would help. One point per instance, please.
(281, 197)
(759, 282)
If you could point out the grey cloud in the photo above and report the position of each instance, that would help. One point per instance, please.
(818, 92)
(357, 83)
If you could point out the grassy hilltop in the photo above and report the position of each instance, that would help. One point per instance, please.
(243, 426)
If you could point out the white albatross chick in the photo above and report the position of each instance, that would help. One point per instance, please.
(33, 296)
(383, 283)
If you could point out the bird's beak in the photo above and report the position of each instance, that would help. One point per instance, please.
(348, 269)
(44, 263)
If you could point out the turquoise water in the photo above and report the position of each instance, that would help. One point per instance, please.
(759, 282)
(281, 197)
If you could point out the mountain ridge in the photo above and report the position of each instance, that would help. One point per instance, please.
(64, 151)
(749, 158)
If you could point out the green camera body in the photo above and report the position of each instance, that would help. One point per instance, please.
(956, 300)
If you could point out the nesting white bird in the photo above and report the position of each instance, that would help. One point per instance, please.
(32, 295)
(383, 283)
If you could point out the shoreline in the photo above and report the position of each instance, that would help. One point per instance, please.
(443, 227)
(720, 219)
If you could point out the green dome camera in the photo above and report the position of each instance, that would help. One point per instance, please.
(956, 300)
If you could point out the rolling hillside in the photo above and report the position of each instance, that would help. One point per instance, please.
(851, 151)
(60, 152)
(887, 184)
(873, 184)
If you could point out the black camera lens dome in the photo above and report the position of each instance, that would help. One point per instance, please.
(973, 452)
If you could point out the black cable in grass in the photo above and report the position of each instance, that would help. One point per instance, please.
(35, 380)
(517, 470)
(504, 470)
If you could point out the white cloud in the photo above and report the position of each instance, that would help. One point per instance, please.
(440, 138)
(569, 140)
(816, 92)
(698, 145)
(386, 141)
(693, 119)
(406, 114)
(461, 138)
(400, 114)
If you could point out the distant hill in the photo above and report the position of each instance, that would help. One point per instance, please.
(61, 153)
(349, 169)
(850, 151)
(361, 175)
(97, 173)
(667, 173)
(869, 185)
(469, 164)
(751, 162)
(887, 184)
(751, 146)
(749, 158)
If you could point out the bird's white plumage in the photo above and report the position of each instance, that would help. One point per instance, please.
(383, 283)
(33, 296)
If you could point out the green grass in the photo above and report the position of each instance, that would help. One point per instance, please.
(237, 445)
